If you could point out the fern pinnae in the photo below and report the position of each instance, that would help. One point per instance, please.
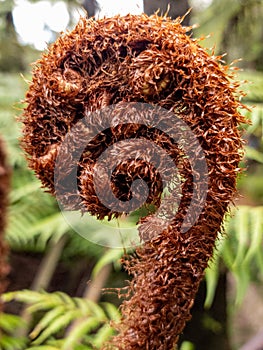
(85, 326)
(10, 343)
(44, 347)
(64, 299)
(256, 234)
(211, 278)
(24, 296)
(96, 310)
(112, 311)
(60, 323)
(259, 260)
(242, 227)
(102, 335)
(48, 318)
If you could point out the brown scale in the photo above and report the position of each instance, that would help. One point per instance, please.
(4, 186)
(137, 58)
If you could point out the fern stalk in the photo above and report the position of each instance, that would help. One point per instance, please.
(43, 278)
(92, 292)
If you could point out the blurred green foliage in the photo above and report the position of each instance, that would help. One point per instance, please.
(58, 311)
(234, 27)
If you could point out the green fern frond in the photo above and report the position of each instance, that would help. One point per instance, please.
(245, 241)
(44, 347)
(12, 343)
(241, 251)
(254, 87)
(58, 312)
(8, 325)
(86, 326)
(255, 115)
(111, 256)
(186, 345)
(57, 325)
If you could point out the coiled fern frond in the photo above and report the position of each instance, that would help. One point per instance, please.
(162, 86)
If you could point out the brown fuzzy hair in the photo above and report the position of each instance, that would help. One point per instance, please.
(119, 60)
(4, 186)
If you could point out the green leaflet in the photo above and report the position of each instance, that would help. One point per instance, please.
(111, 255)
(44, 347)
(12, 343)
(112, 311)
(103, 334)
(242, 229)
(253, 154)
(82, 328)
(186, 345)
(48, 318)
(256, 242)
(211, 278)
(9, 322)
(89, 320)
(241, 250)
(60, 323)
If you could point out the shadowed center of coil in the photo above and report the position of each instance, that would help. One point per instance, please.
(128, 156)
(139, 161)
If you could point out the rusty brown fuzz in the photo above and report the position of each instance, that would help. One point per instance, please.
(4, 186)
(151, 60)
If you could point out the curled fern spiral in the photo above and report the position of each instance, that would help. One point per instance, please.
(120, 85)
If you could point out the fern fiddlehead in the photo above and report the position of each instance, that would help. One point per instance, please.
(163, 87)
